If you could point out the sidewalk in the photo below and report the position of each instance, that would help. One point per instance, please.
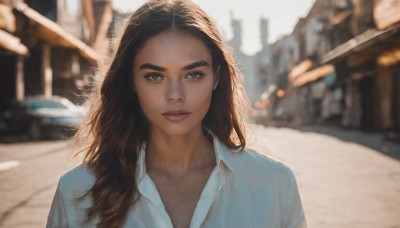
(374, 140)
(346, 178)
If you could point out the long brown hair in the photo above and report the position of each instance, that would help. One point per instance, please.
(117, 128)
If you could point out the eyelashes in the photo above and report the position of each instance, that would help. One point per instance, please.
(155, 76)
(195, 75)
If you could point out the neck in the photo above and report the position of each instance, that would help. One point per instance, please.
(178, 155)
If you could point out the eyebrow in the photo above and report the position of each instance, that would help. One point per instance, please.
(163, 69)
(196, 64)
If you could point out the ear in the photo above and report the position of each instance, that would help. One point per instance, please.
(216, 77)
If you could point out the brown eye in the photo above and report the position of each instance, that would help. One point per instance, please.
(153, 77)
(194, 75)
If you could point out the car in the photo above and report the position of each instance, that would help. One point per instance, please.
(40, 117)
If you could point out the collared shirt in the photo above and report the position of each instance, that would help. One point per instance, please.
(245, 189)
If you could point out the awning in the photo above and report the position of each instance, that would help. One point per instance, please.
(340, 17)
(313, 75)
(358, 43)
(300, 68)
(12, 43)
(52, 34)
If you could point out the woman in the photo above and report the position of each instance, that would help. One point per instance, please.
(166, 143)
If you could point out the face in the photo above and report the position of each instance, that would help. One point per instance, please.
(174, 79)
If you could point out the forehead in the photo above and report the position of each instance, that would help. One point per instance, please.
(172, 47)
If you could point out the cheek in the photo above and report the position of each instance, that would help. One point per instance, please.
(147, 99)
(202, 98)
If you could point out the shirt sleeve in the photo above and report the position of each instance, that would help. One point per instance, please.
(57, 216)
(294, 210)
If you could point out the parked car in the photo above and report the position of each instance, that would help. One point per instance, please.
(40, 117)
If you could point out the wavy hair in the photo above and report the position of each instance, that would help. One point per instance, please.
(116, 127)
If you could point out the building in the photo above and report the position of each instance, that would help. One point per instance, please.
(302, 86)
(53, 48)
(255, 68)
(368, 66)
(347, 69)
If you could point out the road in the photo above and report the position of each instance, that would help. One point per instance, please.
(342, 183)
(27, 187)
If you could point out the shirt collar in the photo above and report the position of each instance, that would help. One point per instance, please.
(140, 164)
(221, 154)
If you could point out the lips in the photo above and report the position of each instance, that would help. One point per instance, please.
(176, 115)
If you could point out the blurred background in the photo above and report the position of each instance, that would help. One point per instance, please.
(323, 78)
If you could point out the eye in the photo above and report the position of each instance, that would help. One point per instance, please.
(153, 76)
(194, 75)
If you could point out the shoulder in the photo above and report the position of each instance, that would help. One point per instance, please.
(67, 208)
(78, 179)
(261, 167)
(251, 158)
(78, 174)
(270, 186)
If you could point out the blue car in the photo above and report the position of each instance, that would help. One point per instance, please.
(39, 117)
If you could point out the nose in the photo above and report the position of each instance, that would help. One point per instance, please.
(175, 91)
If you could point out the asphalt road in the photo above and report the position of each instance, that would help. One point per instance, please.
(346, 178)
(29, 173)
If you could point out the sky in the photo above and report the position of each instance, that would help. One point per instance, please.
(282, 15)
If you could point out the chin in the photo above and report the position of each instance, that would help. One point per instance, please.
(178, 130)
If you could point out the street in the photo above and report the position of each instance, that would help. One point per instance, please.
(27, 189)
(342, 183)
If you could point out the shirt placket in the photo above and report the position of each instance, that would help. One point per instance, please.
(148, 190)
(207, 197)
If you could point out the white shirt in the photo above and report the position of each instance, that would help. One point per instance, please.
(245, 189)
